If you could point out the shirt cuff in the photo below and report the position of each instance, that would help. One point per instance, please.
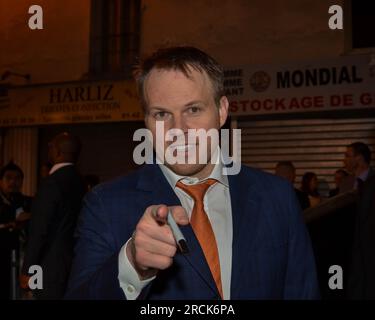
(128, 276)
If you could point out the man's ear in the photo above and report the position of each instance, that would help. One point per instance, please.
(223, 110)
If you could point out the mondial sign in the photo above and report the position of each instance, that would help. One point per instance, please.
(337, 84)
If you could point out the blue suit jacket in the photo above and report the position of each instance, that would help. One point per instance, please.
(271, 258)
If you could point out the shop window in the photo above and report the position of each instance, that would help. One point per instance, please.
(114, 37)
(363, 24)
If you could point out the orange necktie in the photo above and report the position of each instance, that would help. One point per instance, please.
(203, 229)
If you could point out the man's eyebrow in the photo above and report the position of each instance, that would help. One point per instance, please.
(189, 104)
(192, 103)
(157, 108)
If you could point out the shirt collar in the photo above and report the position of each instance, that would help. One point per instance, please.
(363, 176)
(217, 174)
(58, 166)
(5, 198)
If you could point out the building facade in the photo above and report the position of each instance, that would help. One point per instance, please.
(75, 74)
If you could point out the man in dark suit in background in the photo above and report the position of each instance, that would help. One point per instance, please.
(333, 234)
(245, 233)
(362, 274)
(14, 212)
(54, 215)
(357, 162)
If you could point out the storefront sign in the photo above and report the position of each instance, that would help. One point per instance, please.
(339, 84)
(4, 98)
(71, 103)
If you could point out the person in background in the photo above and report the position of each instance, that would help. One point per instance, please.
(14, 211)
(309, 186)
(286, 170)
(340, 174)
(361, 284)
(357, 162)
(55, 211)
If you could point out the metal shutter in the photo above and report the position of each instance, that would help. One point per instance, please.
(316, 145)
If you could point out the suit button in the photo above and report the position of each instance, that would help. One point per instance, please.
(130, 288)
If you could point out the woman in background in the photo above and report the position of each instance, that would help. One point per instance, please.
(310, 187)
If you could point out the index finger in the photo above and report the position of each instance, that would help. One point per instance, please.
(160, 213)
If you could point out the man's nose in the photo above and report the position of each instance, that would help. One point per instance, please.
(179, 123)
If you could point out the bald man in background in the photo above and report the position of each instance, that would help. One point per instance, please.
(54, 215)
(286, 170)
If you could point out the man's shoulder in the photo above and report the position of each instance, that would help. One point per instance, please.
(125, 183)
(63, 174)
(262, 179)
(273, 196)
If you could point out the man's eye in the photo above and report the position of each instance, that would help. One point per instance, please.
(160, 115)
(194, 109)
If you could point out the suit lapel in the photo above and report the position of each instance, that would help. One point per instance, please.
(154, 182)
(246, 210)
(196, 258)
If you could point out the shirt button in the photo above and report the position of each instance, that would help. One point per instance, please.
(130, 288)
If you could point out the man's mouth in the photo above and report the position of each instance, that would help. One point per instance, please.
(185, 147)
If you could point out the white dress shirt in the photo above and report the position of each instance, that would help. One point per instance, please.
(217, 204)
(363, 176)
(57, 166)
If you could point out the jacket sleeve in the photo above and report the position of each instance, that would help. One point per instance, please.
(301, 279)
(94, 273)
(361, 280)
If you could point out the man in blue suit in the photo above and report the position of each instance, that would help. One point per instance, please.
(245, 232)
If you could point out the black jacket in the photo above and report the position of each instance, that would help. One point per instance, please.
(8, 237)
(362, 275)
(54, 215)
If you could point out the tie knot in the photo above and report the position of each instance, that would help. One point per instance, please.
(196, 191)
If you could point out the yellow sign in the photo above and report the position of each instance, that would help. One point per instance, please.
(78, 102)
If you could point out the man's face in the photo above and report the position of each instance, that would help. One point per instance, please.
(11, 182)
(313, 183)
(183, 103)
(351, 160)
